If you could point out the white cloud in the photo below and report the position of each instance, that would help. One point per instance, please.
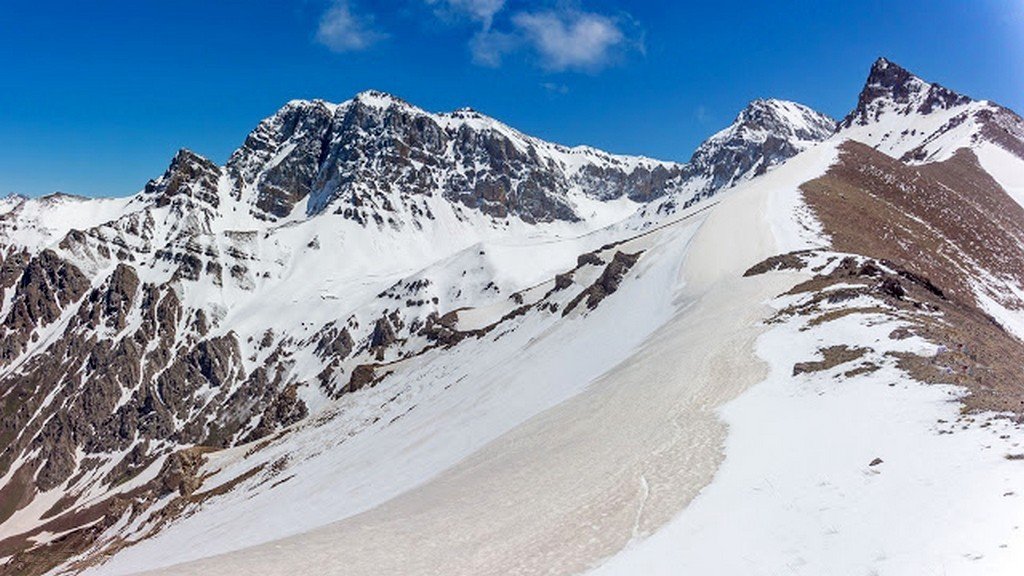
(570, 40)
(555, 88)
(480, 10)
(342, 31)
(702, 115)
(489, 47)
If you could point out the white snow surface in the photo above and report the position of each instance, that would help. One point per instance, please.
(472, 398)
(541, 434)
(657, 434)
(1005, 167)
(41, 222)
(797, 493)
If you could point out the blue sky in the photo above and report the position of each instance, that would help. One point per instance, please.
(95, 97)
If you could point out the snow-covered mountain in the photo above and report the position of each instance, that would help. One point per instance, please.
(919, 122)
(376, 157)
(766, 133)
(221, 304)
(378, 337)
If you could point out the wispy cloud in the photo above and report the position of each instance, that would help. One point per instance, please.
(555, 88)
(561, 39)
(702, 115)
(489, 47)
(571, 40)
(341, 30)
(480, 10)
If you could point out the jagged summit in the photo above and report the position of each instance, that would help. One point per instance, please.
(376, 157)
(892, 88)
(765, 133)
(918, 121)
(189, 174)
(783, 118)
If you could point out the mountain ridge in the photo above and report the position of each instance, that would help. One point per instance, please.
(352, 260)
(909, 118)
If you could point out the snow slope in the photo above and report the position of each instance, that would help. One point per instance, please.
(546, 377)
(647, 437)
(1005, 167)
(797, 493)
(629, 472)
(449, 406)
(41, 222)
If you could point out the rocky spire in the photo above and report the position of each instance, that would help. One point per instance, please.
(189, 174)
(891, 88)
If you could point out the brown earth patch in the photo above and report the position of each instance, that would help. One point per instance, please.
(975, 352)
(865, 368)
(832, 356)
(941, 221)
(940, 225)
(789, 261)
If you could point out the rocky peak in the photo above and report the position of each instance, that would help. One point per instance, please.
(891, 88)
(782, 118)
(276, 165)
(386, 159)
(376, 158)
(921, 122)
(379, 99)
(188, 176)
(764, 134)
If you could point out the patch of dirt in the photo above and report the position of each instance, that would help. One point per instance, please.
(974, 351)
(832, 356)
(789, 261)
(865, 368)
(939, 221)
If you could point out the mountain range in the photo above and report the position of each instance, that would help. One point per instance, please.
(382, 340)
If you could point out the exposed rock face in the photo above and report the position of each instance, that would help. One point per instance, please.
(892, 88)
(189, 190)
(382, 337)
(281, 157)
(607, 283)
(766, 133)
(382, 147)
(188, 175)
(377, 157)
(47, 285)
(335, 343)
(376, 151)
(129, 371)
